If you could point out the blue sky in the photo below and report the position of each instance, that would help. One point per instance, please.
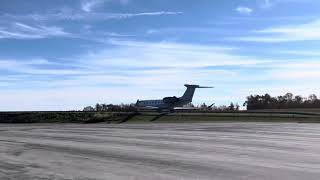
(66, 54)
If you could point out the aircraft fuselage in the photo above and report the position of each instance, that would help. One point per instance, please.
(170, 102)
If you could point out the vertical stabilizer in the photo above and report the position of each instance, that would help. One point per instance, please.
(188, 94)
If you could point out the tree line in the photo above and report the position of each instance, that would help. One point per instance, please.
(286, 101)
(132, 108)
(111, 108)
(212, 107)
(253, 102)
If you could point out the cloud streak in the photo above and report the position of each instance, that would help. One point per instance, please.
(88, 5)
(300, 32)
(168, 54)
(244, 10)
(136, 63)
(307, 70)
(23, 31)
(87, 16)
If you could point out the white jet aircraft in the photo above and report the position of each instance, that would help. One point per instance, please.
(170, 102)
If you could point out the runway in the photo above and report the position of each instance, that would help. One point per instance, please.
(218, 151)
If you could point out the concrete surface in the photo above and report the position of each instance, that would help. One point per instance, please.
(242, 151)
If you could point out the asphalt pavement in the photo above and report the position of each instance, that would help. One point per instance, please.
(218, 151)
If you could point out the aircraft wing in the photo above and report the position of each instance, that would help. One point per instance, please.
(150, 107)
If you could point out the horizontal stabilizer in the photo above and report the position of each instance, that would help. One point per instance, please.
(205, 87)
(196, 86)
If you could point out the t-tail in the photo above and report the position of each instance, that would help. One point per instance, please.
(188, 94)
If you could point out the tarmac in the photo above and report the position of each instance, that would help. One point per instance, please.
(218, 151)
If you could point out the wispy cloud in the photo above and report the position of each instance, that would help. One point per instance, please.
(300, 52)
(244, 10)
(168, 54)
(271, 3)
(293, 1)
(87, 16)
(301, 32)
(184, 30)
(41, 67)
(88, 5)
(137, 63)
(23, 31)
(307, 71)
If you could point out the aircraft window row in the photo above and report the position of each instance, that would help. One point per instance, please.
(153, 102)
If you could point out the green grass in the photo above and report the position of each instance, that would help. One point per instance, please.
(234, 117)
(106, 117)
(301, 110)
(141, 119)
